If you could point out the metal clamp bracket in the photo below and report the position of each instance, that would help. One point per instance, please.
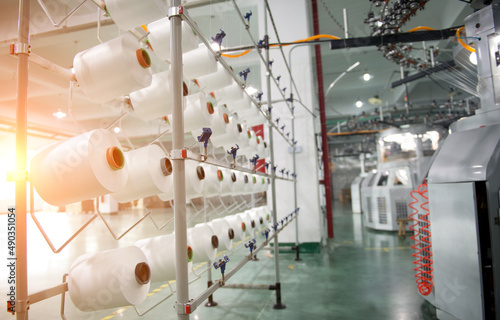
(175, 11)
(21, 306)
(178, 154)
(20, 48)
(183, 308)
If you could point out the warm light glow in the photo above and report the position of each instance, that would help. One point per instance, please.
(367, 77)
(251, 90)
(359, 103)
(473, 58)
(215, 47)
(59, 114)
(117, 129)
(7, 189)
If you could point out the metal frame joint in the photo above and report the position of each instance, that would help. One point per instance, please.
(178, 154)
(20, 48)
(175, 11)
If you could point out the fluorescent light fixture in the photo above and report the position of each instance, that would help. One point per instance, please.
(367, 77)
(353, 66)
(359, 103)
(473, 58)
(59, 114)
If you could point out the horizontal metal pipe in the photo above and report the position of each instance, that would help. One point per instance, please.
(48, 293)
(392, 38)
(51, 66)
(249, 286)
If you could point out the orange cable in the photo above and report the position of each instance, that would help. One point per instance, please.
(465, 45)
(319, 36)
(419, 28)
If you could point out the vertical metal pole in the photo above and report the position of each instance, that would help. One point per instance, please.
(407, 97)
(180, 224)
(346, 25)
(210, 302)
(297, 257)
(278, 304)
(21, 306)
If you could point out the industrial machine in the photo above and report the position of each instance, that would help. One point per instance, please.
(463, 252)
(404, 156)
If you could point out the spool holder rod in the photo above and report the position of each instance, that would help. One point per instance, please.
(196, 302)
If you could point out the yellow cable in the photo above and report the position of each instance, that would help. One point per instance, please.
(465, 45)
(419, 28)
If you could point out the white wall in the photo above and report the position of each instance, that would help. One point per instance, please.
(292, 24)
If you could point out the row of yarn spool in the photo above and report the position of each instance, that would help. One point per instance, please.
(122, 67)
(93, 164)
(121, 277)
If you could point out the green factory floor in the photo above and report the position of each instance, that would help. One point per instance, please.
(360, 274)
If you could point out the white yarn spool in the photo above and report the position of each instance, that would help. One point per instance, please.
(248, 183)
(261, 184)
(255, 215)
(251, 149)
(228, 183)
(112, 69)
(160, 252)
(80, 168)
(155, 101)
(239, 186)
(195, 179)
(231, 136)
(238, 226)
(215, 80)
(240, 105)
(159, 38)
(244, 136)
(199, 62)
(229, 94)
(214, 176)
(109, 279)
(204, 243)
(220, 123)
(129, 14)
(149, 173)
(265, 213)
(249, 222)
(252, 116)
(266, 153)
(198, 113)
(223, 231)
(252, 184)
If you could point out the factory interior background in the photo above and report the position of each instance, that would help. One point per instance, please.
(329, 159)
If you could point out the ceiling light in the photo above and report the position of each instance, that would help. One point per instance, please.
(359, 103)
(117, 129)
(473, 58)
(59, 114)
(367, 77)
